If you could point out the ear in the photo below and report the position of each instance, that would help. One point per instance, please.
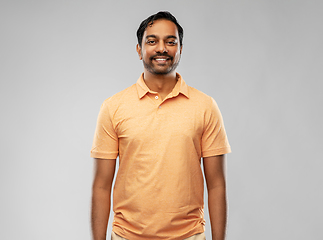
(138, 48)
(180, 51)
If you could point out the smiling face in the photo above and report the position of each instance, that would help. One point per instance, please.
(160, 50)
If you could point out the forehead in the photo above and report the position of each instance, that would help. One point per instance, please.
(161, 28)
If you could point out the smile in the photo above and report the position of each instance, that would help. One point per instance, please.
(161, 59)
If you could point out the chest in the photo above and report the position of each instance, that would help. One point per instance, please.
(173, 119)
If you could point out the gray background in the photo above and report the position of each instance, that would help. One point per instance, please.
(261, 61)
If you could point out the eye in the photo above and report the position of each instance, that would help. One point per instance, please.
(171, 42)
(151, 42)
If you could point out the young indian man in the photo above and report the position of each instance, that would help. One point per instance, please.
(160, 128)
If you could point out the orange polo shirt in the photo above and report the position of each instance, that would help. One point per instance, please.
(158, 192)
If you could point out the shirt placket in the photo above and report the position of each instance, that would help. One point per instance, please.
(155, 97)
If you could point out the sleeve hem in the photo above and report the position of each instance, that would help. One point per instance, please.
(217, 151)
(112, 155)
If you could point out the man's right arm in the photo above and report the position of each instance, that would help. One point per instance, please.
(101, 196)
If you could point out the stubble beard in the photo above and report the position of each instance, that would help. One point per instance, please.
(150, 67)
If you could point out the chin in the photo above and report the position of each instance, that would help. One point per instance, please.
(153, 69)
(160, 73)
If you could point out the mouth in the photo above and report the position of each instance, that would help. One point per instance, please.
(161, 59)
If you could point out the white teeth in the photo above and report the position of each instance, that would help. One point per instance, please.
(160, 59)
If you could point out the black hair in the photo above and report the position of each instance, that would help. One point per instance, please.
(150, 20)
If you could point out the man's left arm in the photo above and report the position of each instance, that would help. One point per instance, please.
(214, 170)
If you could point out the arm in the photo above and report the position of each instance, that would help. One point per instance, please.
(101, 194)
(214, 170)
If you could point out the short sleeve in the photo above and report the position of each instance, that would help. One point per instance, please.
(105, 142)
(214, 138)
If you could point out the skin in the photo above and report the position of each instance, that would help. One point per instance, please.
(101, 196)
(160, 39)
(214, 171)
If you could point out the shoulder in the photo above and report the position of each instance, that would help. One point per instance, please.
(205, 103)
(200, 97)
(121, 97)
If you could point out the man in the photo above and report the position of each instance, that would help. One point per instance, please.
(160, 128)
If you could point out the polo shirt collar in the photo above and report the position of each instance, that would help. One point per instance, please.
(180, 87)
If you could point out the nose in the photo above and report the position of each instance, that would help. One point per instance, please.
(161, 47)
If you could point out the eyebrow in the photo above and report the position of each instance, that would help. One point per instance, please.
(154, 36)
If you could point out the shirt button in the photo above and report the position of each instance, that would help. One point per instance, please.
(156, 97)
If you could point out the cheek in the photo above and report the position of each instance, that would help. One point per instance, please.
(145, 55)
(177, 55)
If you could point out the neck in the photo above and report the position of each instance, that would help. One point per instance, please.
(163, 84)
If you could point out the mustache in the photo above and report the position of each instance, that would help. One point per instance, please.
(161, 55)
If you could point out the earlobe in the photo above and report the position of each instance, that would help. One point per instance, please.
(139, 51)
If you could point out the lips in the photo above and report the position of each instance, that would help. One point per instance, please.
(161, 59)
(158, 56)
